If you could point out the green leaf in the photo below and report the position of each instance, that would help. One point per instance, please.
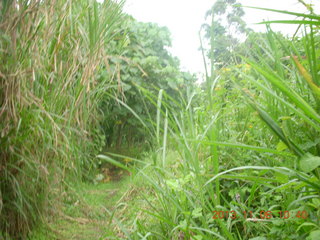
(315, 235)
(258, 238)
(310, 16)
(292, 22)
(173, 184)
(316, 202)
(196, 213)
(183, 225)
(281, 177)
(307, 225)
(309, 162)
(112, 161)
(281, 146)
(126, 87)
(172, 84)
(197, 237)
(278, 222)
(272, 124)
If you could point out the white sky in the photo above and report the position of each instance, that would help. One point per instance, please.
(184, 18)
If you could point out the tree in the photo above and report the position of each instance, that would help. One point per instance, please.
(224, 31)
(145, 62)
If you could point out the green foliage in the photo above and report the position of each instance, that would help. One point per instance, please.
(145, 62)
(224, 30)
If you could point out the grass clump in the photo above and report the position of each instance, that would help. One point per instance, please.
(50, 55)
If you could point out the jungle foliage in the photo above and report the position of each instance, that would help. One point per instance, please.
(145, 62)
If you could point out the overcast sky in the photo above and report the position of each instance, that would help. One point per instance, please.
(184, 18)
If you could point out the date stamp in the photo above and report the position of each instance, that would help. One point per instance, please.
(260, 215)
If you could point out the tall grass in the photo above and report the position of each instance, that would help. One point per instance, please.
(51, 53)
(247, 142)
(292, 84)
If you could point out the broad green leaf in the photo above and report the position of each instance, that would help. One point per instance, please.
(306, 224)
(315, 235)
(173, 184)
(281, 146)
(281, 177)
(309, 162)
(196, 213)
(316, 202)
(183, 225)
(197, 237)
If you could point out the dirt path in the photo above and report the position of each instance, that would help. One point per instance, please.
(88, 212)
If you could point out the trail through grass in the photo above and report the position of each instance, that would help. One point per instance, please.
(91, 211)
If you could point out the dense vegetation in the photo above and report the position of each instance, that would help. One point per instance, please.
(89, 95)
